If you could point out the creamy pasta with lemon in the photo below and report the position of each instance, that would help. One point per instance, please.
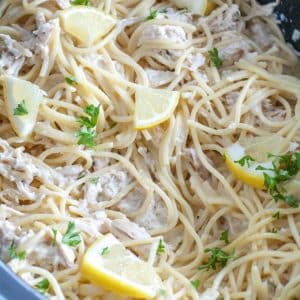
(149, 149)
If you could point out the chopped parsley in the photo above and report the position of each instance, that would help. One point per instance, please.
(93, 113)
(87, 132)
(21, 109)
(71, 238)
(217, 257)
(80, 2)
(153, 14)
(274, 230)
(54, 231)
(224, 236)
(95, 180)
(195, 283)
(86, 137)
(284, 167)
(12, 252)
(276, 215)
(245, 160)
(71, 80)
(105, 251)
(214, 57)
(161, 247)
(43, 286)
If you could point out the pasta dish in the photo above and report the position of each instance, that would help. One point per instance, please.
(149, 149)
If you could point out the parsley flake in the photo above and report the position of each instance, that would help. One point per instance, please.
(161, 247)
(86, 137)
(71, 80)
(93, 113)
(43, 286)
(54, 231)
(245, 160)
(217, 257)
(274, 230)
(95, 180)
(71, 238)
(80, 2)
(105, 251)
(12, 252)
(224, 236)
(195, 283)
(153, 14)
(284, 167)
(87, 133)
(20, 109)
(276, 215)
(214, 57)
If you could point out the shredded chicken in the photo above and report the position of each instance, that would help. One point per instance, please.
(260, 33)
(228, 20)
(72, 171)
(12, 55)
(155, 216)
(63, 3)
(234, 51)
(107, 186)
(195, 61)
(158, 78)
(179, 16)
(22, 169)
(125, 229)
(15, 54)
(7, 237)
(273, 112)
(132, 201)
(171, 33)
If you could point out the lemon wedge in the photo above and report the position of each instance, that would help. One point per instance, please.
(245, 173)
(87, 24)
(109, 264)
(21, 94)
(153, 106)
(195, 6)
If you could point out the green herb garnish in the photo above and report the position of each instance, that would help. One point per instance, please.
(245, 160)
(153, 14)
(274, 230)
(284, 167)
(214, 57)
(161, 247)
(217, 257)
(93, 113)
(80, 2)
(95, 180)
(43, 286)
(105, 251)
(12, 252)
(71, 238)
(71, 80)
(195, 283)
(224, 236)
(276, 215)
(54, 231)
(86, 136)
(20, 109)
(87, 133)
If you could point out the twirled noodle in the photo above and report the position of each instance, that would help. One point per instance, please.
(169, 182)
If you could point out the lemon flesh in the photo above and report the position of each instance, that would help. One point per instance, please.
(119, 270)
(248, 175)
(153, 106)
(15, 92)
(87, 24)
(195, 6)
